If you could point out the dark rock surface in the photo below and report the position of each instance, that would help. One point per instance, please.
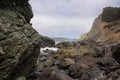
(65, 63)
(47, 42)
(76, 70)
(116, 52)
(65, 44)
(52, 73)
(21, 6)
(19, 42)
(92, 73)
(86, 60)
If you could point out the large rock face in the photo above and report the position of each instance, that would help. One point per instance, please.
(19, 42)
(104, 31)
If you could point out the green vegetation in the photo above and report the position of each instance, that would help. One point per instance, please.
(111, 14)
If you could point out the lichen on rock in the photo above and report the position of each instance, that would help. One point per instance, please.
(19, 42)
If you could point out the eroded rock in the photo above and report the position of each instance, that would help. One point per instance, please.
(19, 42)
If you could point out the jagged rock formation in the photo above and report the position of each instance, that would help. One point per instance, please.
(104, 30)
(21, 6)
(19, 42)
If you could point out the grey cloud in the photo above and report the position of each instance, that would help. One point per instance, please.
(69, 18)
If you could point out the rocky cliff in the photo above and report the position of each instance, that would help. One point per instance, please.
(106, 28)
(19, 42)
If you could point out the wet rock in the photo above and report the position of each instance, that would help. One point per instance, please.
(51, 52)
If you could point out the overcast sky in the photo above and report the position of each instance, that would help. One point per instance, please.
(67, 18)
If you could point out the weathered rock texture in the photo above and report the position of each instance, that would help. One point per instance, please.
(19, 42)
(87, 60)
(104, 31)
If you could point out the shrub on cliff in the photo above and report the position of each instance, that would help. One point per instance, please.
(110, 14)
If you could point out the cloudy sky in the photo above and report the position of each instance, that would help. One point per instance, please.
(67, 18)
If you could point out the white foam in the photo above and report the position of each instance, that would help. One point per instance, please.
(49, 48)
(43, 50)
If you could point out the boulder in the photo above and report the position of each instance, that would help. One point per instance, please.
(47, 42)
(76, 70)
(109, 63)
(53, 73)
(19, 42)
(65, 63)
(114, 74)
(92, 73)
(90, 47)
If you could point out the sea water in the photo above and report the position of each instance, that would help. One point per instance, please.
(42, 50)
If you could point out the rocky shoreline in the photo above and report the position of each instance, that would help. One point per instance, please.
(96, 56)
(86, 60)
